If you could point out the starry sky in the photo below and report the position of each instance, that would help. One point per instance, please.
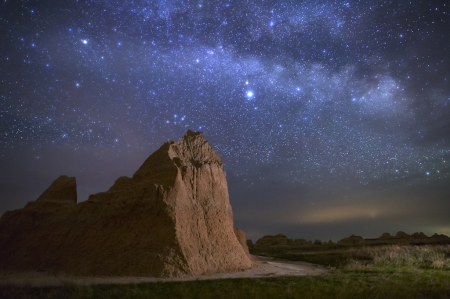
(332, 117)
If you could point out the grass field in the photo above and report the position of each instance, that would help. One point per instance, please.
(338, 284)
(358, 272)
(365, 257)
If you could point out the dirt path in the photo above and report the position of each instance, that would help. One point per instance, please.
(265, 267)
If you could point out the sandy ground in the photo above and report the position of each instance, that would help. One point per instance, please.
(265, 267)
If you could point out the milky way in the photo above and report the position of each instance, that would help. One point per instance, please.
(335, 96)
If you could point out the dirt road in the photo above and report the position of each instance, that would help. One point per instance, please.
(264, 267)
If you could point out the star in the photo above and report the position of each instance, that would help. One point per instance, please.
(343, 87)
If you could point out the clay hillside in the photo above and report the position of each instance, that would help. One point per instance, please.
(171, 219)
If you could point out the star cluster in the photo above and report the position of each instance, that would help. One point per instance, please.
(298, 92)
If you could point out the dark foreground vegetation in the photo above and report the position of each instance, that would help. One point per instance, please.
(425, 284)
(359, 272)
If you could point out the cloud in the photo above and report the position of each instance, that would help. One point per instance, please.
(357, 210)
(342, 214)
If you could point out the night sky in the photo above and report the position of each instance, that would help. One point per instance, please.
(332, 117)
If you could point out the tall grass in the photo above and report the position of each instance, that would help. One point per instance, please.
(400, 256)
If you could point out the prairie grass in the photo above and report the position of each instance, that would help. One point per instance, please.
(338, 284)
(365, 257)
(399, 257)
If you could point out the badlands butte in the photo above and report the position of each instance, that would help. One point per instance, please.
(172, 218)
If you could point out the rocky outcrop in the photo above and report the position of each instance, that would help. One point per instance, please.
(281, 239)
(269, 240)
(300, 242)
(352, 240)
(250, 243)
(171, 219)
(440, 238)
(386, 236)
(63, 190)
(404, 238)
(240, 235)
(402, 235)
(420, 235)
(421, 238)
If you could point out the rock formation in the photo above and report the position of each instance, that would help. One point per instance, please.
(171, 219)
(440, 238)
(352, 240)
(402, 235)
(421, 238)
(299, 242)
(269, 240)
(404, 238)
(281, 239)
(250, 243)
(420, 235)
(386, 236)
(240, 235)
(62, 190)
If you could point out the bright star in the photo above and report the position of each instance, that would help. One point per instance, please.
(250, 94)
(84, 41)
